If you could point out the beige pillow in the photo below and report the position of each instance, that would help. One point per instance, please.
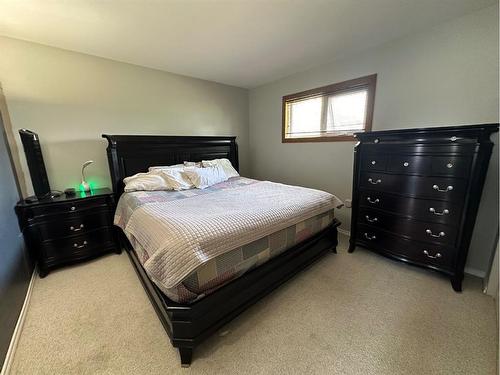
(205, 177)
(225, 164)
(175, 178)
(145, 182)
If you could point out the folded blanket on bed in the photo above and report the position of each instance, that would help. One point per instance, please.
(178, 236)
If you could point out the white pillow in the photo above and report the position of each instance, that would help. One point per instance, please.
(145, 182)
(205, 177)
(225, 164)
(175, 166)
(175, 178)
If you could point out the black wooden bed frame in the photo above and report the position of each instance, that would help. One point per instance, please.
(188, 324)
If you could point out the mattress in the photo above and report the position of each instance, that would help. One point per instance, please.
(195, 241)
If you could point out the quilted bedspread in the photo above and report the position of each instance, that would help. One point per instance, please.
(179, 236)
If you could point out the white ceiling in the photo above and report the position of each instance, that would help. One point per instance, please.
(243, 43)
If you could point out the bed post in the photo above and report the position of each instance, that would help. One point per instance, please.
(114, 165)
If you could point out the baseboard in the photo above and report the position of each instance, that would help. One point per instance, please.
(344, 232)
(19, 327)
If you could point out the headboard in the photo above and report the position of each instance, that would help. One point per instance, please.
(131, 154)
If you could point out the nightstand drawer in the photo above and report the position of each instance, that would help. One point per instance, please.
(68, 207)
(78, 223)
(84, 244)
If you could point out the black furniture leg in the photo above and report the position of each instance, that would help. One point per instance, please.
(456, 283)
(186, 356)
(334, 236)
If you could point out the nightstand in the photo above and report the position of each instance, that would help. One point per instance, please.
(67, 230)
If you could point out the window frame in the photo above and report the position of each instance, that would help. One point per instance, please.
(368, 82)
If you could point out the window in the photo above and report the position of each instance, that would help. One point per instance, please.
(330, 113)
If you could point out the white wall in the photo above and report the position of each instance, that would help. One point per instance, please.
(70, 99)
(447, 75)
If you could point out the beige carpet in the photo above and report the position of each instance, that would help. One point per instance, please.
(349, 314)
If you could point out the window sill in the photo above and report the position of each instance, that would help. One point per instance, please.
(340, 138)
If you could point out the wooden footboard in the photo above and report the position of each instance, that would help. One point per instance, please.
(189, 324)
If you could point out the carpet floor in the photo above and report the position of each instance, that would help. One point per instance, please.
(354, 313)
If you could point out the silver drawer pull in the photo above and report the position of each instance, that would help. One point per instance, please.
(442, 213)
(372, 201)
(449, 165)
(448, 188)
(76, 229)
(374, 162)
(80, 246)
(405, 164)
(368, 237)
(375, 219)
(73, 208)
(438, 255)
(370, 180)
(440, 234)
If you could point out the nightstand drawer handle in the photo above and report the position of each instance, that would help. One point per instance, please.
(80, 246)
(448, 188)
(442, 213)
(372, 201)
(374, 162)
(73, 208)
(440, 234)
(76, 229)
(375, 219)
(438, 255)
(406, 164)
(372, 237)
(374, 182)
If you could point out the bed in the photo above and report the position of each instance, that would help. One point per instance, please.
(189, 310)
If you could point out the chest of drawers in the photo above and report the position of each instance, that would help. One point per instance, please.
(416, 193)
(66, 230)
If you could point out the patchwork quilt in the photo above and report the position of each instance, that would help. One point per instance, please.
(192, 242)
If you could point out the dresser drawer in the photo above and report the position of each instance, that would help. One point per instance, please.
(68, 207)
(409, 164)
(73, 224)
(443, 212)
(457, 166)
(439, 188)
(83, 244)
(386, 146)
(413, 229)
(374, 162)
(422, 253)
